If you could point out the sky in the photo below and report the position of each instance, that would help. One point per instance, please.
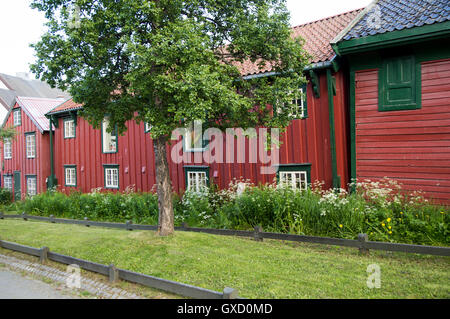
(20, 26)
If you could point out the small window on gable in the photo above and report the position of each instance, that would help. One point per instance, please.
(69, 128)
(399, 84)
(17, 117)
(109, 139)
(197, 179)
(296, 177)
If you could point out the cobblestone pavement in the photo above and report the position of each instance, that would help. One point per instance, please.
(96, 288)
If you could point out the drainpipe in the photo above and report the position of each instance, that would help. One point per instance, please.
(331, 93)
(51, 179)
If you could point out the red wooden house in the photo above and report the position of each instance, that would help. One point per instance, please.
(315, 146)
(399, 58)
(25, 159)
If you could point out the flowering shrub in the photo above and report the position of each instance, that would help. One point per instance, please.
(382, 209)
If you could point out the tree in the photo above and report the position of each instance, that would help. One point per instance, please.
(7, 133)
(168, 62)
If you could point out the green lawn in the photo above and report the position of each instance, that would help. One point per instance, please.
(270, 269)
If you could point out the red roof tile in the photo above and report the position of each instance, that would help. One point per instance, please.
(66, 106)
(317, 36)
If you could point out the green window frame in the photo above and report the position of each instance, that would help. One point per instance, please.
(68, 169)
(108, 173)
(113, 136)
(30, 150)
(31, 191)
(17, 116)
(187, 138)
(67, 121)
(399, 84)
(195, 176)
(297, 175)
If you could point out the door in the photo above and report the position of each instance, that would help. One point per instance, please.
(17, 188)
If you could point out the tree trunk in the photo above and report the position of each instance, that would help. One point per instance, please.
(164, 188)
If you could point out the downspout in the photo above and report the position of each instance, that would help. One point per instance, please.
(331, 93)
(51, 179)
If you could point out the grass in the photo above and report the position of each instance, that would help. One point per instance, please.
(271, 269)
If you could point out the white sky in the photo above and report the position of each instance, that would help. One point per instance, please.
(20, 26)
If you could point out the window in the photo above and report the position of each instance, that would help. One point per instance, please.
(295, 176)
(193, 138)
(197, 178)
(70, 175)
(109, 140)
(31, 185)
(7, 149)
(30, 145)
(298, 108)
(399, 84)
(111, 176)
(17, 117)
(7, 182)
(69, 128)
(148, 127)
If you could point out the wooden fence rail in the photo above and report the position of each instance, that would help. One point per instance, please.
(114, 274)
(361, 243)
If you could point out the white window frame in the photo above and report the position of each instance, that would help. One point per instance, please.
(297, 180)
(148, 127)
(69, 128)
(109, 140)
(8, 182)
(31, 185)
(17, 117)
(7, 148)
(70, 176)
(30, 144)
(197, 181)
(298, 110)
(195, 126)
(111, 177)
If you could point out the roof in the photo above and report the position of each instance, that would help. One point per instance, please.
(7, 98)
(19, 86)
(394, 15)
(317, 35)
(36, 108)
(66, 106)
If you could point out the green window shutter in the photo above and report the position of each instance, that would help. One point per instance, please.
(305, 100)
(399, 84)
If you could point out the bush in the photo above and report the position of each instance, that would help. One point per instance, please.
(5, 196)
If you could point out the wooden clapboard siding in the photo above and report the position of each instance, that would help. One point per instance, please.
(411, 146)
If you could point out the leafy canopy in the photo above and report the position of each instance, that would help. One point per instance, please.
(168, 62)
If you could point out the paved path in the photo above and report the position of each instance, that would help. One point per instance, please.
(15, 286)
(9, 280)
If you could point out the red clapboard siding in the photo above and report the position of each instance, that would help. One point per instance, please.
(411, 146)
(38, 166)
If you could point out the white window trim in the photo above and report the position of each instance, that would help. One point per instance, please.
(30, 149)
(110, 172)
(70, 176)
(69, 129)
(17, 117)
(31, 191)
(290, 177)
(195, 181)
(7, 150)
(7, 182)
(105, 140)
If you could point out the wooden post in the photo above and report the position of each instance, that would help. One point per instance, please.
(363, 239)
(113, 273)
(24, 216)
(86, 221)
(43, 254)
(1, 215)
(52, 219)
(230, 293)
(128, 225)
(258, 230)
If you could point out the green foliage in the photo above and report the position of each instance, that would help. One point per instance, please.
(171, 61)
(7, 133)
(5, 196)
(378, 209)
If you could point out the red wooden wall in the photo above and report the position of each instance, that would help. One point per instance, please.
(39, 166)
(306, 141)
(411, 146)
